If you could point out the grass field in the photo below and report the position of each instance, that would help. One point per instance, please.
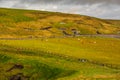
(30, 23)
(62, 58)
(41, 45)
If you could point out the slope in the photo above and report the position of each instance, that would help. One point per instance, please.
(31, 23)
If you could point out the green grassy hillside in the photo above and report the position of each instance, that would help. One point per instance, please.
(34, 45)
(82, 58)
(30, 23)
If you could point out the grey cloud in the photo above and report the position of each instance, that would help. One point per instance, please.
(96, 8)
(68, 2)
(77, 2)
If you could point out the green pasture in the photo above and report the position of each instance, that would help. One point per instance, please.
(62, 58)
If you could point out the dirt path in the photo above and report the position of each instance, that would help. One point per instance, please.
(85, 35)
(103, 35)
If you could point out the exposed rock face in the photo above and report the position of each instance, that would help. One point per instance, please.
(46, 28)
(16, 66)
(19, 76)
(65, 33)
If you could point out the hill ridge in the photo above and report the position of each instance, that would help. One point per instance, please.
(31, 23)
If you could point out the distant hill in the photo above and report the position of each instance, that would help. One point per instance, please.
(31, 23)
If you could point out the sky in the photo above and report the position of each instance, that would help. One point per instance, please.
(107, 9)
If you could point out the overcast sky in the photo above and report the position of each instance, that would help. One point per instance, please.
(109, 9)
